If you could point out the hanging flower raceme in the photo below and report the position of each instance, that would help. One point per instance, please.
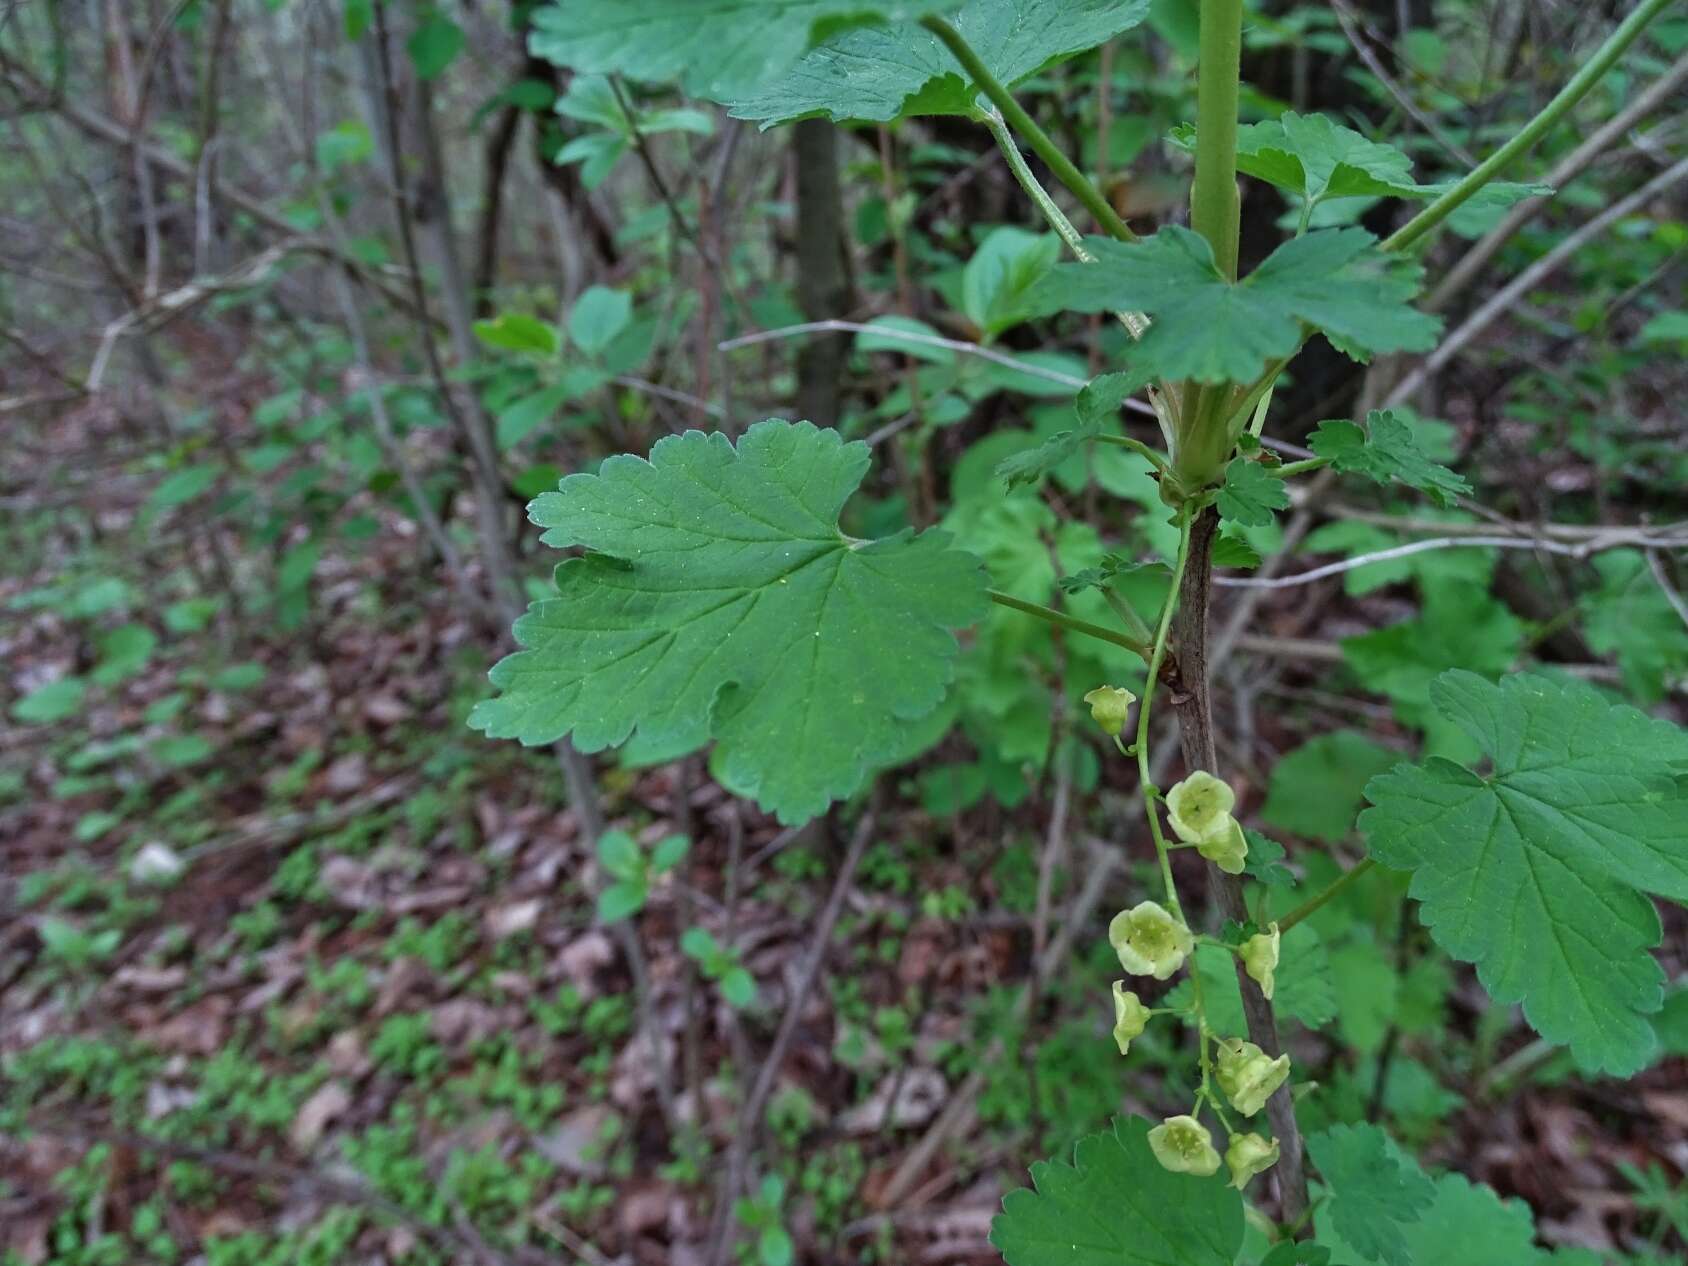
(1248, 1155)
(1183, 1145)
(1110, 708)
(1149, 940)
(1247, 1075)
(1260, 959)
(1131, 1017)
(1199, 810)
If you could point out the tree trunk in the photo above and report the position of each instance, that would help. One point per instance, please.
(823, 287)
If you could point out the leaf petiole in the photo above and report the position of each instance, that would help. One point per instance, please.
(1071, 623)
(1015, 114)
(1314, 903)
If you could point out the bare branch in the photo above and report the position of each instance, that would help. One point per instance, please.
(1503, 299)
(1615, 540)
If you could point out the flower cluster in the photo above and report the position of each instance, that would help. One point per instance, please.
(1199, 810)
(1151, 940)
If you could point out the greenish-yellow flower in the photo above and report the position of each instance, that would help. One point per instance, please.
(1248, 1155)
(1110, 708)
(1131, 1017)
(1200, 807)
(1150, 941)
(1247, 1075)
(1260, 959)
(1227, 848)
(1183, 1145)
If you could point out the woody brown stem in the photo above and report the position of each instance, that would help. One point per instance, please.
(1193, 700)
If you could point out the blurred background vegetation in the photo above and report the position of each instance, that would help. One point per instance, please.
(301, 300)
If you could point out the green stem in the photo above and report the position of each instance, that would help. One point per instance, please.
(1573, 91)
(1071, 623)
(1313, 904)
(1291, 469)
(1034, 188)
(1203, 439)
(1136, 446)
(1135, 322)
(1128, 616)
(1156, 658)
(1012, 111)
(1257, 424)
(1213, 200)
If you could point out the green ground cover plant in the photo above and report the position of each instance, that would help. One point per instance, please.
(843, 631)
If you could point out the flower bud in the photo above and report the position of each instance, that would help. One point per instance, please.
(1200, 808)
(1149, 941)
(1227, 849)
(1248, 1155)
(1183, 1145)
(1260, 959)
(1131, 1017)
(1247, 1075)
(1110, 707)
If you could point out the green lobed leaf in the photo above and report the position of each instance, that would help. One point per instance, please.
(1210, 329)
(718, 598)
(1537, 872)
(1367, 987)
(1386, 451)
(1116, 1206)
(1465, 1224)
(1249, 495)
(1097, 404)
(1316, 790)
(1631, 617)
(881, 73)
(1303, 989)
(718, 49)
(1232, 551)
(1265, 861)
(1370, 1195)
(1315, 157)
(996, 280)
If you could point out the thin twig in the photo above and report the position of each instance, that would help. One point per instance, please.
(1585, 550)
(1598, 144)
(894, 335)
(1054, 845)
(1504, 298)
(167, 307)
(1656, 565)
(1345, 19)
(801, 993)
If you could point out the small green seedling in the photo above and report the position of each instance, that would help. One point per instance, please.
(721, 965)
(634, 871)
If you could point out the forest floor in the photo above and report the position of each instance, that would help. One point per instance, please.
(296, 968)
